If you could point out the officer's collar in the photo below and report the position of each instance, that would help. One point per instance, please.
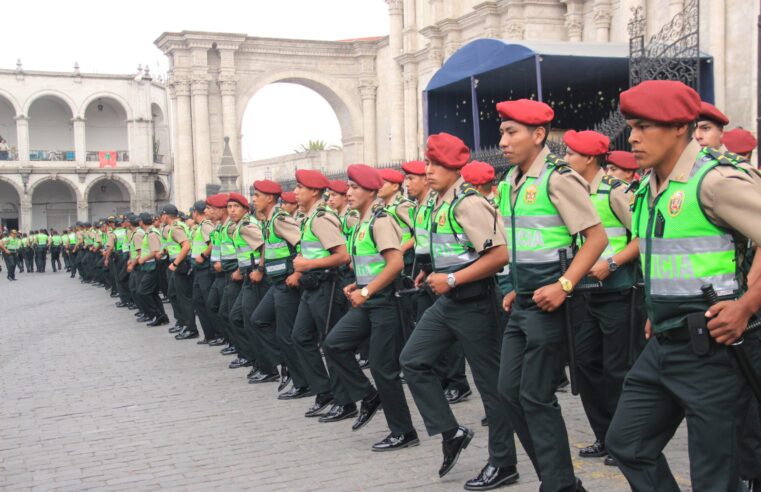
(681, 171)
(448, 196)
(534, 170)
(314, 207)
(595, 184)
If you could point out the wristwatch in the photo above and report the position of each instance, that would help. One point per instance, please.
(566, 285)
(451, 281)
(364, 292)
(612, 265)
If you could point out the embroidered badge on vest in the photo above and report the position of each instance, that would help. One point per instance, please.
(530, 196)
(675, 203)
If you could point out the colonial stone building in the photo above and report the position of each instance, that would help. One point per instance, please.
(81, 146)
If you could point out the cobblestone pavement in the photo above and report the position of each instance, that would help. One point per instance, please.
(93, 400)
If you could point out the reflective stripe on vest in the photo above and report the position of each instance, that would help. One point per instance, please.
(119, 235)
(422, 227)
(145, 247)
(311, 247)
(451, 250)
(244, 252)
(226, 246)
(277, 251)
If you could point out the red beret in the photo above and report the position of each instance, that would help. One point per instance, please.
(526, 111)
(586, 142)
(218, 201)
(288, 197)
(478, 173)
(237, 197)
(312, 179)
(447, 150)
(392, 175)
(661, 101)
(339, 186)
(623, 159)
(739, 141)
(365, 176)
(709, 112)
(268, 187)
(414, 167)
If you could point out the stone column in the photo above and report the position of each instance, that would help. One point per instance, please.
(22, 136)
(437, 10)
(201, 141)
(367, 92)
(396, 17)
(410, 26)
(230, 119)
(574, 22)
(80, 141)
(410, 111)
(25, 211)
(602, 16)
(184, 174)
(83, 209)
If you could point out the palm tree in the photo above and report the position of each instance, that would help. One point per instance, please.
(316, 145)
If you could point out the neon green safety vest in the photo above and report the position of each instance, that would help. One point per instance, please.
(278, 253)
(145, 249)
(366, 260)
(680, 249)
(56, 240)
(72, 238)
(246, 256)
(407, 231)
(535, 231)
(227, 254)
(126, 241)
(451, 250)
(42, 239)
(346, 229)
(215, 238)
(173, 248)
(198, 245)
(120, 234)
(311, 247)
(11, 244)
(618, 235)
(133, 243)
(423, 226)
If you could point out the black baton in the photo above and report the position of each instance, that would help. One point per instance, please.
(563, 255)
(709, 294)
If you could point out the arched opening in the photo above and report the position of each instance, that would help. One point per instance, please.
(9, 206)
(161, 194)
(288, 126)
(51, 132)
(107, 197)
(106, 130)
(8, 138)
(160, 135)
(54, 205)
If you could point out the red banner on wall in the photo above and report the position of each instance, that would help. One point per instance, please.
(107, 158)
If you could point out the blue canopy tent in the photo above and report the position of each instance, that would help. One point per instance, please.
(581, 81)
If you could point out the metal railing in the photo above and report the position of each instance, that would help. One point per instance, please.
(121, 155)
(52, 155)
(8, 155)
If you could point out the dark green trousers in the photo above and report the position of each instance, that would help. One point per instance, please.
(750, 433)
(309, 330)
(602, 346)
(274, 318)
(475, 326)
(10, 265)
(378, 319)
(147, 293)
(202, 280)
(214, 302)
(250, 346)
(667, 384)
(533, 354)
(181, 298)
(229, 296)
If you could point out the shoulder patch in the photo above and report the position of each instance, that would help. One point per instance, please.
(724, 158)
(561, 166)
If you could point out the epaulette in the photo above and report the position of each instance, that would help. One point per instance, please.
(380, 212)
(467, 189)
(561, 166)
(724, 158)
(612, 182)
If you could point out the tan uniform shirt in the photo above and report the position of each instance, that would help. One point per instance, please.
(327, 228)
(137, 239)
(620, 200)
(730, 198)
(477, 217)
(111, 242)
(177, 234)
(386, 232)
(154, 242)
(252, 234)
(569, 192)
(286, 227)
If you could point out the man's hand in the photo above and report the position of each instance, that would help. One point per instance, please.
(140, 261)
(550, 297)
(172, 267)
(256, 276)
(600, 270)
(292, 280)
(648, 330)
(349, 289)
(508, 300)
(236, 276)
(105, 262)
(438, 283)
(199, 259)
(130, 266)
(301, 264)
(217, 266)
(356, 298)
(728, 321)
(420, 279)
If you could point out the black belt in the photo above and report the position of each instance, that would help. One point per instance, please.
(681, 334)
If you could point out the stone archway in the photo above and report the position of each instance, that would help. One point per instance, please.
(214, 75)
(107, 196)
(54, 204)
(10, 205)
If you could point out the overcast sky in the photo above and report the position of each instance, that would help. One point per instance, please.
(114, 37)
